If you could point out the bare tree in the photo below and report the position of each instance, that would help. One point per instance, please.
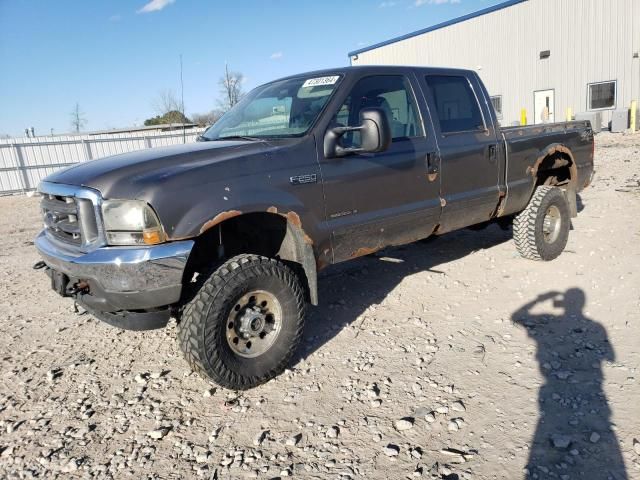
(204, 119)
(167, 101)
(78, 120)
(230, 88)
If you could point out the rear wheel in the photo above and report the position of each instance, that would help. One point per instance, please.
(541, 230)
(245, 322)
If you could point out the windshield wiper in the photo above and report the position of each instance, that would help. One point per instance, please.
(239, 137)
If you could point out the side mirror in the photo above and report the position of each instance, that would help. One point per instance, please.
(375, 135)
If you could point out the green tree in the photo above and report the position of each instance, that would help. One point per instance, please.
(173, 116)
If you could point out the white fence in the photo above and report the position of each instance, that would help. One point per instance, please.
(26, 161)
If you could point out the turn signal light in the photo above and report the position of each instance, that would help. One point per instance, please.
(153, 236)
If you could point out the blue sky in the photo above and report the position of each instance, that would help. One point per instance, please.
(113, 58)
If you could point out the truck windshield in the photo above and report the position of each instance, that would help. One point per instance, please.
(285, 108)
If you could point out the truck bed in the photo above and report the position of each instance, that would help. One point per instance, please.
(525, 147)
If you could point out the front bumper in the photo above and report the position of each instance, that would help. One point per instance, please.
(121, 278)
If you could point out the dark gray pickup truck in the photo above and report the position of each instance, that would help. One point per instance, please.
(227, 235)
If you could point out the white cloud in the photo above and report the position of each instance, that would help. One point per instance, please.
(155, 6)
(419, 3)
(276, 55)
(387, 4)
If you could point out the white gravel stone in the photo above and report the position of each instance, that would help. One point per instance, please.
(158, 433)
(333, 432)
(391, 450)
(293, 440)
(404, 424)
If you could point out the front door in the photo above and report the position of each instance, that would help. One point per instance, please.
(387, 198)
(544, 106)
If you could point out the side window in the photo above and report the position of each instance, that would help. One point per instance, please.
(391, 93)
(456, 104)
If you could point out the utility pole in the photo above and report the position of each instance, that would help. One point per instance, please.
(184, 133)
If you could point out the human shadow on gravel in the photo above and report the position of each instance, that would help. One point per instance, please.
(574, 437)
(346, 290)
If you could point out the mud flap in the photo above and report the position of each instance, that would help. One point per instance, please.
(572, 199)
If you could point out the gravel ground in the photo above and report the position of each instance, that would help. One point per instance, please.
(451, 358)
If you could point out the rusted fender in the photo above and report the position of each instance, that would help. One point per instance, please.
(551, 150)
(297, 245)
(294, 219)
(219, 218)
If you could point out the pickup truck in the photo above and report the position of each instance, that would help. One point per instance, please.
(228, 234)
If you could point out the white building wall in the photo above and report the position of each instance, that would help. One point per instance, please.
(590, 41)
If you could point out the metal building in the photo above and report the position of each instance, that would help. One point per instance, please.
(545, 56)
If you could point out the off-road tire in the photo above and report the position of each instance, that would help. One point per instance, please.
(201, 331)
(528, 226)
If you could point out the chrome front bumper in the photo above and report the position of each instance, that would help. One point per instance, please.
(122, 278)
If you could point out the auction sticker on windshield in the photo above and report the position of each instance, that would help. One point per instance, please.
(314, 82)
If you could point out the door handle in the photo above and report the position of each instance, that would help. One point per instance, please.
(492, 152)
(433, 165)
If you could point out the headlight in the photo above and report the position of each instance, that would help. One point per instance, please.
(131, 222)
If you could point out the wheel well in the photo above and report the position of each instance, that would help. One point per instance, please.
(260, 233)
(556, 169)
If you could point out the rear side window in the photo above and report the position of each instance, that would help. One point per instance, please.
(456, 104)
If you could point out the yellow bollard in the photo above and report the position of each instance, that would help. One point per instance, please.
(569, 114)
(523, 117)
(634, 115)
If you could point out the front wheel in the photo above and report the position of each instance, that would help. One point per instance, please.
(541, 230)
(244, 324)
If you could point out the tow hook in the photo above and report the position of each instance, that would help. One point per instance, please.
(80, 287)
(39, 265)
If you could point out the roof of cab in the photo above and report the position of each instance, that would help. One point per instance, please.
(374, 69)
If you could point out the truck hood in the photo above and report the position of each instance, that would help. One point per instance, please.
(128, 175)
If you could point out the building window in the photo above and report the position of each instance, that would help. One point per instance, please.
(601, 95)
(496, 101)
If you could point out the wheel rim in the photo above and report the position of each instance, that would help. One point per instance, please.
(551, 224)
(254, 323)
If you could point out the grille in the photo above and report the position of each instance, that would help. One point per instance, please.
(69, 219)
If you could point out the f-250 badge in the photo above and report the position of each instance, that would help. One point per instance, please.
(300, 179)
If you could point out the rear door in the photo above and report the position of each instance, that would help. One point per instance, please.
(466, 136)
(375, 200)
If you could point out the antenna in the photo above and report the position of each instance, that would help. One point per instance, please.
(184, 133)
